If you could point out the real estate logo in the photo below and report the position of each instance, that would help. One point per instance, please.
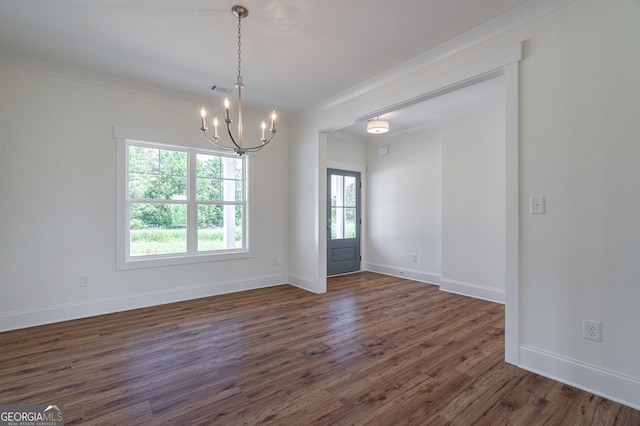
(32, 415)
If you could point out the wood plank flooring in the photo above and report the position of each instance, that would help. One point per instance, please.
(374, 350)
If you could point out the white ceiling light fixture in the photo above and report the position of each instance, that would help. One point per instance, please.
(238, 147)
(377, 126)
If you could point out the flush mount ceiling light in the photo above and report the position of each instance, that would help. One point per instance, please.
(238, 147)
(377, 126)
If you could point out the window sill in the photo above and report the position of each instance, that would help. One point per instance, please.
(170, 260)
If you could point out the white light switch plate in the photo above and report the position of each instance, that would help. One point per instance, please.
(537, 205)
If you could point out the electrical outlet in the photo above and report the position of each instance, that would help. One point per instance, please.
(274, 260)
(414, 257)
(591, 330)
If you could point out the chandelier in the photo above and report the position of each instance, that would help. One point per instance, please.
(238, 146)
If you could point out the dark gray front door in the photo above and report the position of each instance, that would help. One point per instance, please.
(343, 217)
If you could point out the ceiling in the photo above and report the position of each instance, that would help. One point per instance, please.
(295, 53)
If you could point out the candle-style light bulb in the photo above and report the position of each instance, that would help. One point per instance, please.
(203, 114)
(226, 108)
(273, 121)
(264, 127)
(215, 127)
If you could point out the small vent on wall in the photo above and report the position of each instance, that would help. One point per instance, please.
(221, 89)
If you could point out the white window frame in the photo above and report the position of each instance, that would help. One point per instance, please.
(123, 259)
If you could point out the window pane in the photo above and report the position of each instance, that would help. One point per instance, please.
(343, 223)
(343, 191)
(232, 174)
(209, 216)
(173, 188)
(157, 174)
(349, 191)
(143, 186)
(337, 223)
(337, 190)
(219, 227)
(209, 175)
(219, 178)
(157, 228)
(208, 189)
(239, 196)
(209, 166)
(173, 163)
(232, 190)
(349, 223)
(144, 160)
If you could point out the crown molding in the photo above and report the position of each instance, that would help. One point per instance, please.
(78, 75)
(74, 74)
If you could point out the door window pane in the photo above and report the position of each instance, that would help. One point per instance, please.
(349, 191)
(343, 207)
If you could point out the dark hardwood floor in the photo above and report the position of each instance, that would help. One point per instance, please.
(374, 350)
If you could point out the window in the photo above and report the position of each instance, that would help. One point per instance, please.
(343, 206)
(179, 205)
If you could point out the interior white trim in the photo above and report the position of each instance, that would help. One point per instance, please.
(395, 271)
(305, 283)
(82, 76)
(321, 212)
(512, 211)
(100, 80)
(476, 291)
(351, 167)
(599, 381)
(64, 312)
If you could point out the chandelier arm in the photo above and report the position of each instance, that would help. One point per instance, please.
(238, 147)
(219, 145)
(259, 147)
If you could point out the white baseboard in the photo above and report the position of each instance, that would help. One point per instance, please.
(472, 290)
(412, 274)
(50, 314)
(599, 381)
(305, 283)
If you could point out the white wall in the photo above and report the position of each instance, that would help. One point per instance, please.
(57, 185)
(404, 199)
(473, 203)
(579, 148)
(346, 151)
(306, 189)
